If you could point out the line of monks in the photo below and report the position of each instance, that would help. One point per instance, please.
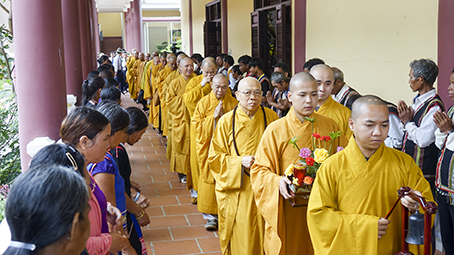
(233, 152)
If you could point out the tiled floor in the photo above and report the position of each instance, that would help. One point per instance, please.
(176, 226)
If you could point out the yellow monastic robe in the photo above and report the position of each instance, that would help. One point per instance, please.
(145, 83)
(135, 70)
(154, 73)
(192, 95)
(159, 86)
(351, 193)
(168, 118)
(204, 124)
(285, 226)
(339, 113)
(129, 73)
(179, 161)
(240, 224)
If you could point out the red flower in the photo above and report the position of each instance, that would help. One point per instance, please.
(316, 135)
(308, 180)
(310, 161)
(326, 138)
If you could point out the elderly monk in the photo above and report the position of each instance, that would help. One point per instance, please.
(348, 203)
(179, 159)
(196, 89)
(137, 71)
(160, 83)
(285, 226)
(207, 113)
(153, 73)
(231, 156)
(172, 76)
(326, 105)
(131, 72)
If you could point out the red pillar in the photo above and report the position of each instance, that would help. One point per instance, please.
(299, 35)
(96, 27)
(40, 70)
(445, 49)
(73, 61)
(137, 10)
(85, 38)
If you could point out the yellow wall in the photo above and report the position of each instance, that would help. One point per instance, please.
(169, 13)
(110, 23)
(373, 42)
(198, 19)
(239, 27)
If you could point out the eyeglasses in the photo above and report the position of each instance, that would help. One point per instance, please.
(248, 93)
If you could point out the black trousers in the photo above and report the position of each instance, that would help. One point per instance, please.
(134, 237)
(446, 214)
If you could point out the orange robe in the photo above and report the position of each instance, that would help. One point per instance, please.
(285, 226)
(159, 86)
(339, 113)
(168, 118)
(204, 124)
(134, 77)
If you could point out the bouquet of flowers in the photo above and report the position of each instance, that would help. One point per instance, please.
(303, 172)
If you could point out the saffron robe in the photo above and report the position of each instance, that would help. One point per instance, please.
(204, 125)
(145, 83)
(129, 73)
(240, 224)
(350, 194)
(192, 95)
(159, 86)
(134, 77)
(154, 116)
(168, 128)
(339, 113)
(179, 160)
(285, 226)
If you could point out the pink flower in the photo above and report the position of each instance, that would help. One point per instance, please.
(339, 148)
(305, 152)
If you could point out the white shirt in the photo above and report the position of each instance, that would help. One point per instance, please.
(423, 135)
(395, 134)
(116, 62)
(341, 92)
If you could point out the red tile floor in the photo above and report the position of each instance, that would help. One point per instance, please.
(176, 226)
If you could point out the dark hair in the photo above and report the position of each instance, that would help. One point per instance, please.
(179, 53)
(117, 116)
(229, 59)
(93, 74)
(111, 93)
(106, 71)
(90, 87)
(221, 55)
(425, 68)
(110, 82)
(278, 77)
(42, 204)
(82, 121)
(164, 54)
(102, 59)
(257, 62)
(236, 69)
(137, 120)
(197, 57)
(312, 62)
(245, 59)
(60, 154)
(285, 68)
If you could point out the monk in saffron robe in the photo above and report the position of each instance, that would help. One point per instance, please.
(146, 84)
(137, 71)
(130, 72)
(160, 83)
(356, 188)
(326, 104)
(231, 156)
(179, 160)
(207, 113)
(172, 76)
(196, 89)
(285, 226)
(154, 74)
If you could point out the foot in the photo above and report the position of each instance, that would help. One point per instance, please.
(183, 179)
(211, 225)
(193, 200)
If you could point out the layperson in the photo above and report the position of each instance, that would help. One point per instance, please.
(285, 226)
(91, 89)
(111, 93)
(230, 157)
(278, 99)
(348, 204)
(341, 91)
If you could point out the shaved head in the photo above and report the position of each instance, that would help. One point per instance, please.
(249, 82)
(359, 104)
(209, 61)
(219, 77)
(219, 85)
(300, 78)
(180, 57)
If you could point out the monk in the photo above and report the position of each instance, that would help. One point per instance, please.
(179, 159)
(348, 203)
(207, 113)
(172, 76)
(130, 75)
(230, 160)
(326, 104)
(196, 89)
(160, 83)
(285, 226)
(153, 77)
(137, 71)
(147, 84)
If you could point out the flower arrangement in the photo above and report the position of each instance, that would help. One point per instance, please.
(302, 173)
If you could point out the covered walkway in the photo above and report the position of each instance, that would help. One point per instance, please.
(176, 226)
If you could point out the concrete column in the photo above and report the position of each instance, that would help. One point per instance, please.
(40, 70)
(73, 61)
(445, 49)
(299, 34)
(85, 41)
